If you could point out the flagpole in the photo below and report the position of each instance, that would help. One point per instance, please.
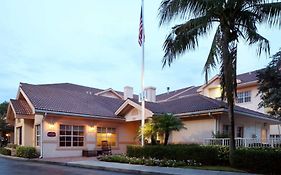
(142, 81)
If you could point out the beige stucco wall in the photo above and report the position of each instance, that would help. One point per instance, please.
(213, 91)
(275, 129)
(195, 132)
(126, 133)
(27, 131)
(135, 115)
(255, 99)
(252, 127)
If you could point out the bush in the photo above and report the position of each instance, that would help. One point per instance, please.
(207, 155)
(147, 161)
(5, 151)
(258, 160)
(26, 152)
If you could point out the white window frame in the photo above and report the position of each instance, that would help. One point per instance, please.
(107, 130)
(241, 134)
(73, 128)
(244, 97)
(37, 134)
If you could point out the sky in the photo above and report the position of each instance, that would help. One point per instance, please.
(95, 43)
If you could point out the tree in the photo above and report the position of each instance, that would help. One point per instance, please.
(234, 20)
(166, 124)
(269, 80)
(149, 131)
(4, 127)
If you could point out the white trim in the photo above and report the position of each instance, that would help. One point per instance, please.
(206, 84)
(109, 90)
(77, 115)
(167, 99)
(27, 100)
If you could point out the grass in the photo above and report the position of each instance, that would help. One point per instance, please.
(216, 168)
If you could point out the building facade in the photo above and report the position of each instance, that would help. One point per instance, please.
(61, 120)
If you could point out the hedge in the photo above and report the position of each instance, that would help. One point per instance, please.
(26, 152)
(207, 155)
(5, 151)
(258, 160)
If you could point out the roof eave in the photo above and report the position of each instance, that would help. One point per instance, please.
(200, 112)
(256, 116)
(77, 115)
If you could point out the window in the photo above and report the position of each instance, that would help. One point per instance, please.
(243, 97)
(19, 135)
(106, 134)
(37, 135)
(71, 136)
(225, 129)
(240, 132)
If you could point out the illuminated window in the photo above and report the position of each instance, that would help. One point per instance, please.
(243, 97)
(106, 134)
(71, 136)
(37, 135)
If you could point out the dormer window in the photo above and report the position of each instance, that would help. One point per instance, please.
(243, 97)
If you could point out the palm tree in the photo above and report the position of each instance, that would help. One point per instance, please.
(234, 20)
(149, 131)
(166, 124)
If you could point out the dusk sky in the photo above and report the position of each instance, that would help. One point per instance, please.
(95, 43)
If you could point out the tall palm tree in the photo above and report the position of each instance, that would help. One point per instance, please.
(234, 19)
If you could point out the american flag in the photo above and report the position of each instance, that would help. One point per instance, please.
(141, 30)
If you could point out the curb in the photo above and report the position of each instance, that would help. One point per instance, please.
(112, 169)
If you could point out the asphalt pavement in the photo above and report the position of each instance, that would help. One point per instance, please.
(16, 167)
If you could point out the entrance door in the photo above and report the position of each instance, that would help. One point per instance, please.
(263, 135)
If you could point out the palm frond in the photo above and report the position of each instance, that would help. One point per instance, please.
(214, 54)
(184, 37)
(170, 9)
(270, 12)
(252, 37)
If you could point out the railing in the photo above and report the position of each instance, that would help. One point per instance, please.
(245, 142)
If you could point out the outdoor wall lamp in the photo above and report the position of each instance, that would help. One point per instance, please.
(52, 125)
(92, 128)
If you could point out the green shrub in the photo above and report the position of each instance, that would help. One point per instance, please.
(147, 161)
(5, 151)
(258, 160)
(207, 155)
(26, 152)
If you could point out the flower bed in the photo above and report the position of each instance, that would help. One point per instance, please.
(148, 161)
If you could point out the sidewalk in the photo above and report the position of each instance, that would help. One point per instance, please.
(141, 169)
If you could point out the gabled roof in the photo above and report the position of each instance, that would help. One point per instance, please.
(177, 93)
(198, 104)
(67, 100)
(248, 76)
(82, 89)
(21, 107)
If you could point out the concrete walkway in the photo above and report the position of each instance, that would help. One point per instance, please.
(141, 169)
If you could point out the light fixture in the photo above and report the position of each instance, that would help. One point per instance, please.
(91, 128)
(51, 125)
